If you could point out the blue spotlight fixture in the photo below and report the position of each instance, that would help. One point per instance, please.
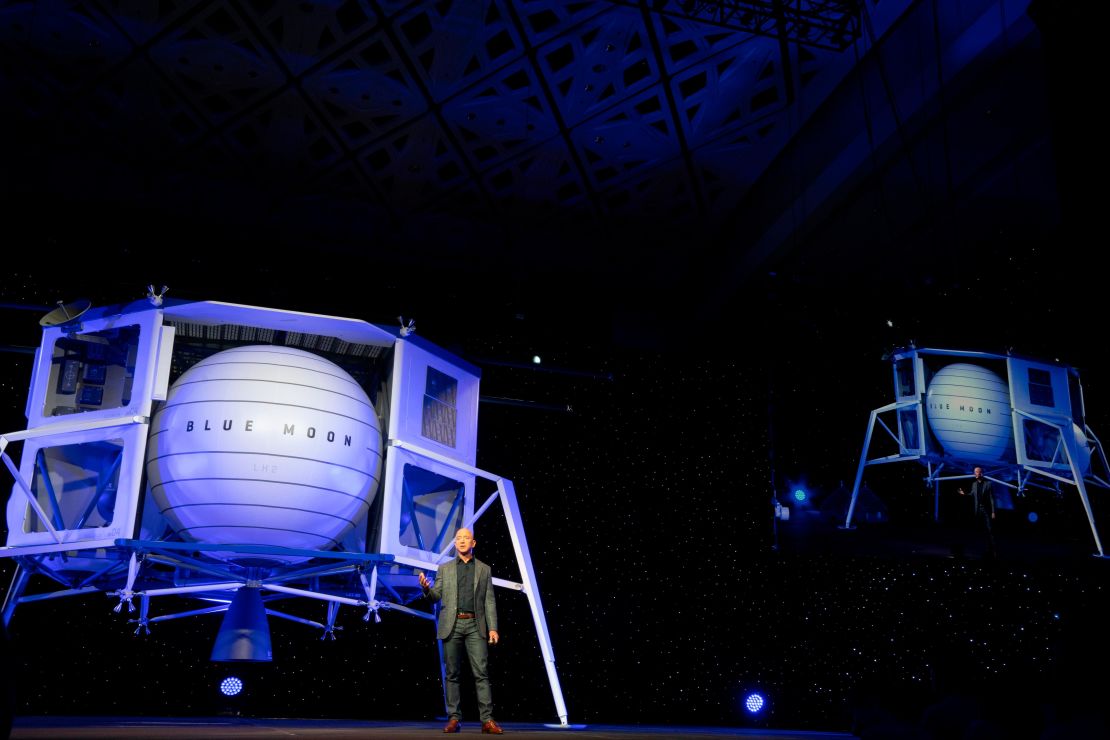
(800, 495)
(754, 703)
(757, 705)
(231, 686)
(1033, 517)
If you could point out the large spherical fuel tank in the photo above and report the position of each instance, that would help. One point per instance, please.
(265, 445)
(968, 407)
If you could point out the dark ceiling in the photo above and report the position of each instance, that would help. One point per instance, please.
(652, 159)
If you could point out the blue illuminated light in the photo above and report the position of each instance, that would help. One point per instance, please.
(231, 686)
(800, 495)
(1033, 517)
(754, 702)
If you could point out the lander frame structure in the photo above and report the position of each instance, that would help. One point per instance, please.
(1052, 443)
(85, 522)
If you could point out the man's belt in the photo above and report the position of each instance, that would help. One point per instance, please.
(465, 615)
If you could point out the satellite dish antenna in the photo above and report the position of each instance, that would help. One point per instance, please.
(65, 313)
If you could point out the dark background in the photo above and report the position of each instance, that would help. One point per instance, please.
(702, 351)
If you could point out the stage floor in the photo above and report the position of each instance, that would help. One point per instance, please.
(217, 728)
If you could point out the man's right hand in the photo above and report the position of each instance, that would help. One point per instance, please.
(424, 582)
(962, 493)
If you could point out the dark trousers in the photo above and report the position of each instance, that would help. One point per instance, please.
(983, 520)
(466, 637)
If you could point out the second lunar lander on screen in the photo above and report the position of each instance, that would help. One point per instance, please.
(241, 456)
(1022, 420)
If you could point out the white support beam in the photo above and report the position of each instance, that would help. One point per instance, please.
(313, 594)
(506, 493)
(23, 486)
(528, 576)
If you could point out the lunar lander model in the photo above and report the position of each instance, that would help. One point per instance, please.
(242, 455)
(1022, 420)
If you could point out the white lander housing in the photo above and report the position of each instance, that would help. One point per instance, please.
(1022, 420)
(293, 455)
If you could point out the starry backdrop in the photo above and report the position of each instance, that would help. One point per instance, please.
(645, 478)
(682, 387)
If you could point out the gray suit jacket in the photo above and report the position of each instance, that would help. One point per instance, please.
(982, 494)
(446, 591)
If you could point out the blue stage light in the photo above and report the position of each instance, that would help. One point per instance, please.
(800, 495)
(231, 686)
(754, 702)
(1033, 517)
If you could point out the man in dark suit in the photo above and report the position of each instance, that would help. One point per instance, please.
(467, 620)
(982, 499)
